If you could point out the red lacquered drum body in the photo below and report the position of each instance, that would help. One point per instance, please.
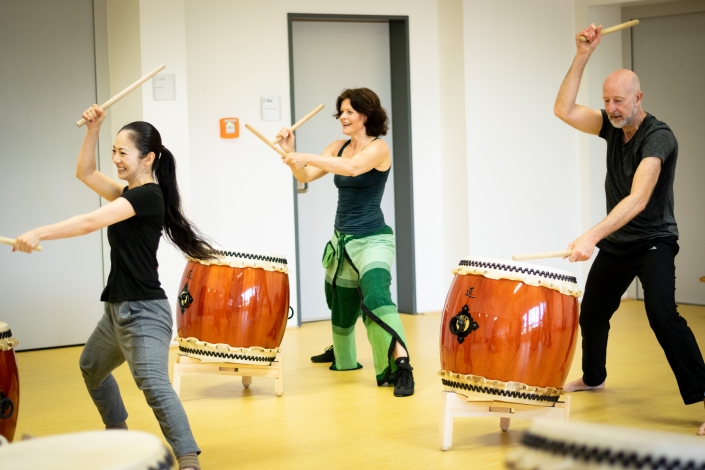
(509, 331)
(233, 309)
(9, 384)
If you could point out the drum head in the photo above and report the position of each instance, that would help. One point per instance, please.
(7, 342)
(244, 259)
(563, 281)
(550, 444)
(97, 450)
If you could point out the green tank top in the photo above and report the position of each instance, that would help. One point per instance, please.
(359, 199)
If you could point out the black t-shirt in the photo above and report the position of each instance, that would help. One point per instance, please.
(653, 139)
(133, 248)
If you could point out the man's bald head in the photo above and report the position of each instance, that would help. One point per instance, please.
(622, 94)
(624, 81)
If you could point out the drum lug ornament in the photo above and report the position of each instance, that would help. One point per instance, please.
(185, 298)
(7, 408)
(463, 324)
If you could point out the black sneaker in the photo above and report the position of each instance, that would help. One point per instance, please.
(404, 380)
(327, 356)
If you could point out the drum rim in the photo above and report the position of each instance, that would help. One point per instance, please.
(503, 264)
(590, 440)
(223, 352)
(160, 457)
(252, 255)
(7, 341)
(243, 259)
(510, 391)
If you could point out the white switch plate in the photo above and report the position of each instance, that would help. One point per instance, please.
(271, 108)
(163, 86)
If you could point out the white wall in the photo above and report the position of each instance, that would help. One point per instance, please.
(124, 61)
(236, 52)
(523, 162)
(163, 41)
(454, 182)
(532, 183)
(51, 298)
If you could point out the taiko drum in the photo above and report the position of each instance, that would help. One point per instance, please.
(233, 308)
(554, 444)
(95, 450)
(9, 383)
(509, 331)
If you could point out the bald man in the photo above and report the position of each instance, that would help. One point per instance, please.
(639, 236)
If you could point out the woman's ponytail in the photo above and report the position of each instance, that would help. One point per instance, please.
(177, 227)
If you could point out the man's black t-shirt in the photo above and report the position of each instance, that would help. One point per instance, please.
(653, 139)
(133, 248)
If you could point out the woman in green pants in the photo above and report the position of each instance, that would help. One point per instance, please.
(359, 256)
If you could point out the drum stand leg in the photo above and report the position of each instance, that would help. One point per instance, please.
(189, 366)
(459, 406)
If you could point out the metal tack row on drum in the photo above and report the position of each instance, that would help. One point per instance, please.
(509, 331)
(233, 308)
(555, 445)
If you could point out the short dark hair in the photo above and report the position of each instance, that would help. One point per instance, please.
(366, 101)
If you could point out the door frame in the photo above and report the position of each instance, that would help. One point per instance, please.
(654, 10)
(401, 140)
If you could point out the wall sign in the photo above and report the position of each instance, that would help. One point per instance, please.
(271, 108)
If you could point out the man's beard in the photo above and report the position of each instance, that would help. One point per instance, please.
(620, 123)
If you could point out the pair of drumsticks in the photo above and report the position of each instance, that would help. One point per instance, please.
(272, 144)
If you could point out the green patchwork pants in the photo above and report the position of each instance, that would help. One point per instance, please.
(358, 276)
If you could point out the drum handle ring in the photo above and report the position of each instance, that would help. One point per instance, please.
(292, 313)
(6, 403)
(462, 324)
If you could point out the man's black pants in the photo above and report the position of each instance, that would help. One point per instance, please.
(608, 279)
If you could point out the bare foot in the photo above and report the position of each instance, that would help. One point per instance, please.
(579, 386)
(701, 430)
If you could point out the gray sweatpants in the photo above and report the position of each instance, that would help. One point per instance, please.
(139, 333)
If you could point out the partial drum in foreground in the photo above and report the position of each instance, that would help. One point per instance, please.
(95, 450)
(554, 445)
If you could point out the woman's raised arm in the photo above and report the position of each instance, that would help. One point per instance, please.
(86, 169)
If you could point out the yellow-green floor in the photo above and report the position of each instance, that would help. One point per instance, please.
(338, 420)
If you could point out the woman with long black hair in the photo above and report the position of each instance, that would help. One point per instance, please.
(137, 324)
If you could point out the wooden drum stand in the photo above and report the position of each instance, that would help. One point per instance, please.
(189, 366)
(459, 406)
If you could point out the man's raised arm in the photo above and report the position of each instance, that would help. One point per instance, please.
(581, 117)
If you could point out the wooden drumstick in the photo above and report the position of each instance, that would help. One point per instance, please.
(11, 242)
(125, 92)
(301, 121)
(613, 29)
(265, 140)
(547, 254)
